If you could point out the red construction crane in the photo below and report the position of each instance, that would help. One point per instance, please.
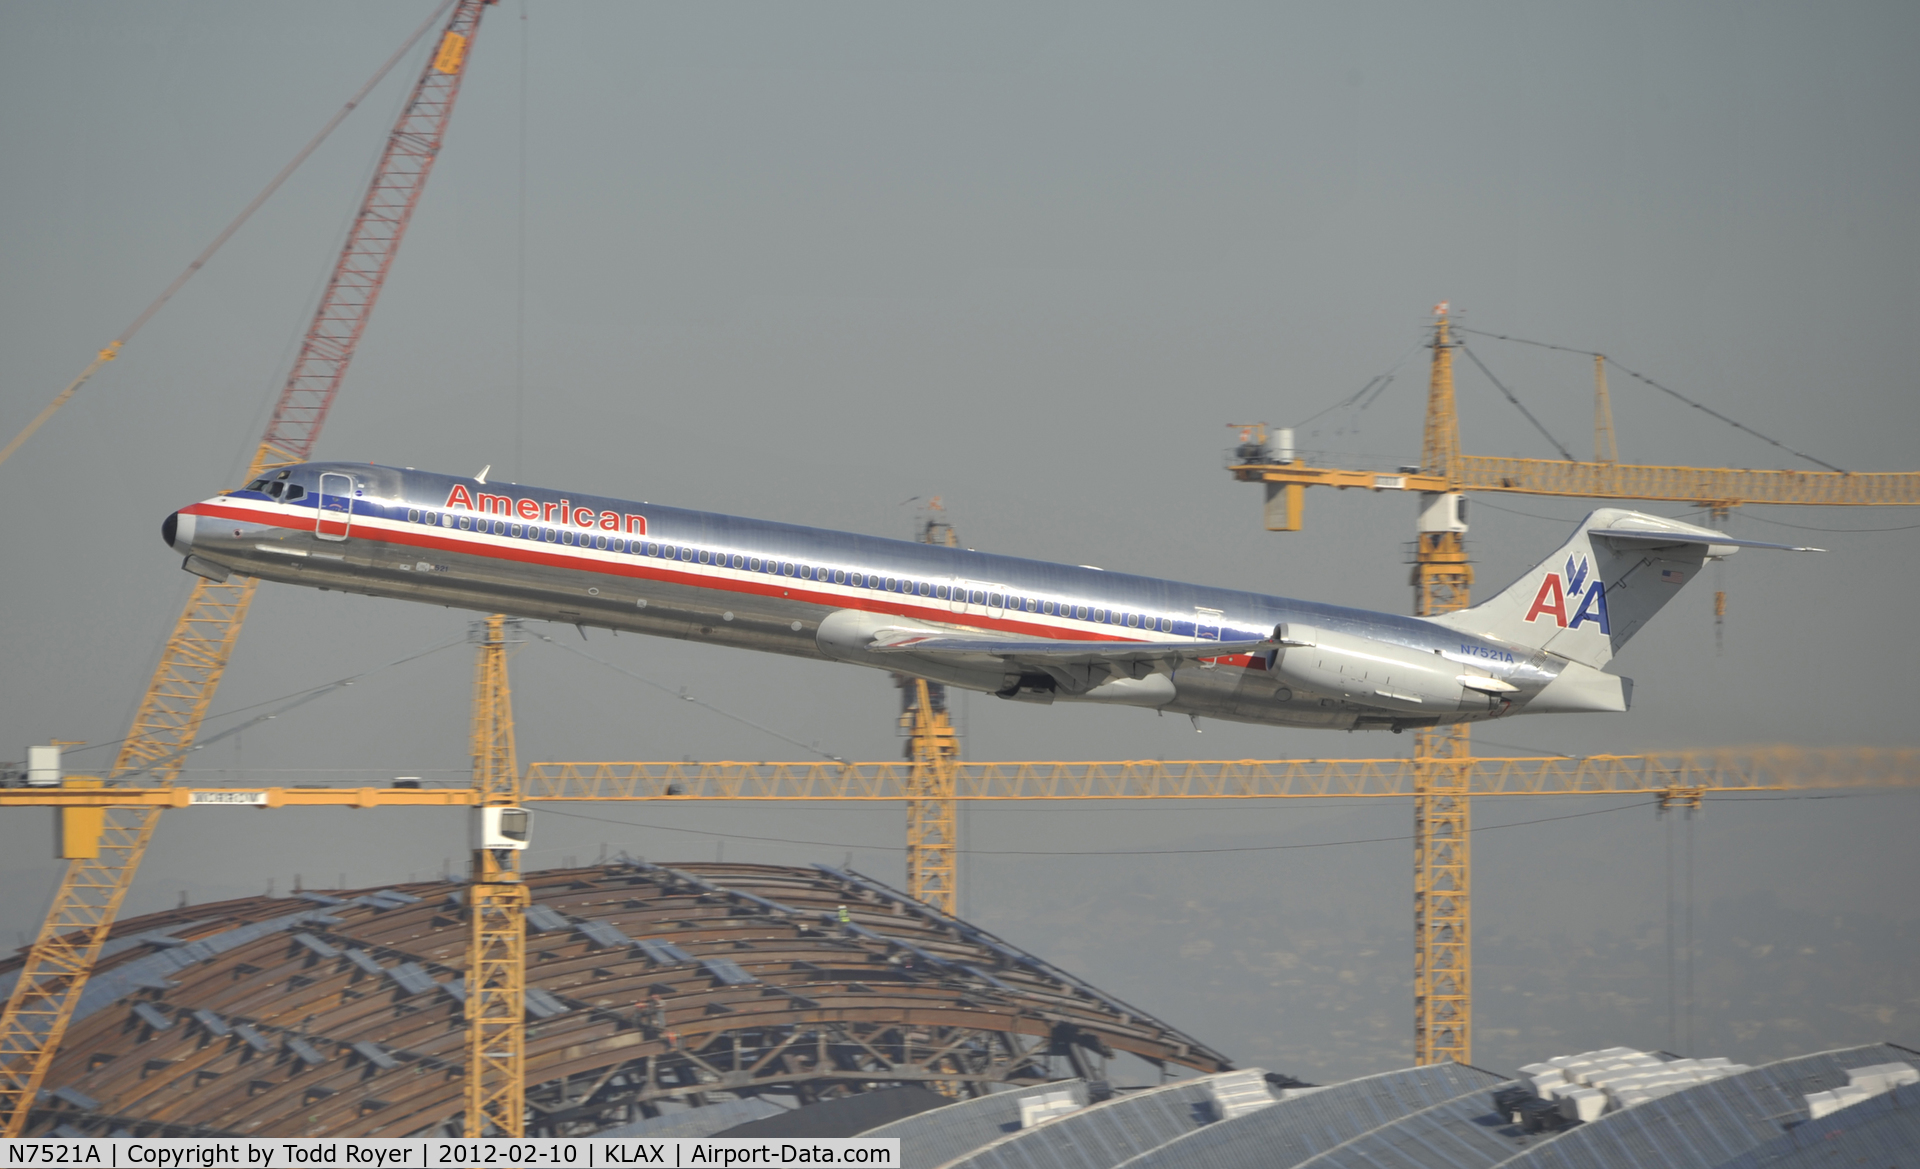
(196, 655)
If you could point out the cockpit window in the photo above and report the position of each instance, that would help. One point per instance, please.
(257, 485)
(294, 492)
(275, 489)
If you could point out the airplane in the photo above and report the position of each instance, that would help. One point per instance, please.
(1024, 630)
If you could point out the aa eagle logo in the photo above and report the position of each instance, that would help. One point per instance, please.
(1560, 589)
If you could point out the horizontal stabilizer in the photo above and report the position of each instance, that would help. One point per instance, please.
(1678, 538)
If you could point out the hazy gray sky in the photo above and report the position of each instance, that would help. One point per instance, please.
(808, 262)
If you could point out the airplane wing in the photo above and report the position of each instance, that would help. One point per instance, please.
(1053, 651)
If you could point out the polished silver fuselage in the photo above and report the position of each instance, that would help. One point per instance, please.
(779, 588)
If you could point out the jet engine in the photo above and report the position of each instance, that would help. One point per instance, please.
(1378, 673)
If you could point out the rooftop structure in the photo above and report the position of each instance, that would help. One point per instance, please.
(651, 990)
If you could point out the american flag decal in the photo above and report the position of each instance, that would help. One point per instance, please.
(1673, 576)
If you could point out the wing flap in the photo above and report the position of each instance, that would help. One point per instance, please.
(1055, 650)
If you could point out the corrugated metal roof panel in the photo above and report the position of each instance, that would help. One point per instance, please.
(1708, 1124)
(152, 1017)
(305, 1052)
(411, 978)
(542, 920)
(77, 1098)
(935, 1137)
(727, 971)
(542, 1005)
(215, 1025)
(319, 947)
(692, 1123)
(1878, 1131)
(376, 1055)
(1104, 1135)
(604, 934)
(663, 951)
(365, 961)
(252, 1038)
(1462, 1133)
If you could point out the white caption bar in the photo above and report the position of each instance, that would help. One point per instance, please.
(415, 1153)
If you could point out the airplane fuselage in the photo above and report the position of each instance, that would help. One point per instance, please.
(836, 596)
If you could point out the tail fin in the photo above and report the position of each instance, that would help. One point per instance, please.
(1584, 601)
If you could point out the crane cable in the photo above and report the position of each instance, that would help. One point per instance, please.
(113, 347)
(1501, 386)
(1672, 393)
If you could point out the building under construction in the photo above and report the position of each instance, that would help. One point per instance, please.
(760, 1000)
(649, 989)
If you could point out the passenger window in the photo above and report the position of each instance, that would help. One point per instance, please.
(1080, 612)
(1133, 620)
(513, 530)
(653, 549)
(839, 576)
(465, 523)
(941, 592)
(995, 600)
(413, 515)
(1032, 605)
(600, 542)
(786, 568)
(925, 589)
(856, 580)
(1047, 608)
(753, 564)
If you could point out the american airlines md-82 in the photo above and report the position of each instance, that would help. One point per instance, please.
(1022, 629)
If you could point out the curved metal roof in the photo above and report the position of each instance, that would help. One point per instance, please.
(937, 1136)
(341, 1014)
(1719, 1122)
(1103, 1135)
(1316, 1120)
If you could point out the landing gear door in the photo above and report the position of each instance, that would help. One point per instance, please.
(335, 514)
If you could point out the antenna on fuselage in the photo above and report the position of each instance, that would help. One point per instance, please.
(481, 478)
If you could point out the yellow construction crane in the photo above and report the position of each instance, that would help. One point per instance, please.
(496, 973)
(496, 905)
(196, 654)
(933, 821)
(1442, 582)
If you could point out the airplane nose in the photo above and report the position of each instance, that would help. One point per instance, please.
(177, 531)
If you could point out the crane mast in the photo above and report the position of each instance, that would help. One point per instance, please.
(196, 653)
(1443, 769)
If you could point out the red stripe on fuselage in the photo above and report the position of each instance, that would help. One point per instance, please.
(573, 561)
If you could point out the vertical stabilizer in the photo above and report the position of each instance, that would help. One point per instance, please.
(1596, 591)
